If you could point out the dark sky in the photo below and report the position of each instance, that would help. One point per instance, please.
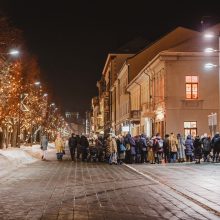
(71, 39)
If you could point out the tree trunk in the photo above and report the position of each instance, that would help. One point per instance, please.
(1, 139)
(6, 137)
(14, 135)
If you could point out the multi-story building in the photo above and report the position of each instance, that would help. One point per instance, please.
(173, 92)
(107, 97)
(97, 121)
(161, 89)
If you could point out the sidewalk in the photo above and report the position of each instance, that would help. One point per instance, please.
(199, 183)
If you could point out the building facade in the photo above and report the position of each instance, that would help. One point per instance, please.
(174, 92)
(163, 88)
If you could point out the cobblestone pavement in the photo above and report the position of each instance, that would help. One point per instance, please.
(75, 190)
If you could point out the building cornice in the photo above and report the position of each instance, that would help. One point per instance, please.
(162, 56)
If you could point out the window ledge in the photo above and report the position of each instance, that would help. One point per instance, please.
(192, 103)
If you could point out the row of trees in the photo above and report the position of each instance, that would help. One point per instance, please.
(25, 106)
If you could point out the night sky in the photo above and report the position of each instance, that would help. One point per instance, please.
(71, 39)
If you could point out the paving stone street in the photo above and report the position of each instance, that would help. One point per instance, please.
(78, 190)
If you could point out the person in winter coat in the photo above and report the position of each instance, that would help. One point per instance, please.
(72, 146)
(189, 148)
(78, 147)
(143, 146)
(150, 152)
(173, 144)
(206, 147)
(44, 144)
(159, 148)
(132, 143)
(113, 150)
(121, 149)
(59, 145)
(216, 147)
(84, 143)
(128, 148)
(166, 149)
(181, 148)
(197, 149)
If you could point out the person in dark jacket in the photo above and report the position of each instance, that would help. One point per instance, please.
(206, 147)
(84, 145)
(216, 147)
(197, 149)
(166, 149)
(143, 147)
(72, 146)
(78, 146)
(189, 148)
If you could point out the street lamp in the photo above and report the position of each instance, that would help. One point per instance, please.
(13, 52)
(210, 36)
(210, 65)
(210, 50)
(37, 83)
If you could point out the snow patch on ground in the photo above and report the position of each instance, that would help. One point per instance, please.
(12, 158)
(18, 156)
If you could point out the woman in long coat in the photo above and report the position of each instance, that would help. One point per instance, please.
(59, 145)
(197, 149)
(189, 148)
(44, 144)
(181, 149)
(113, 150)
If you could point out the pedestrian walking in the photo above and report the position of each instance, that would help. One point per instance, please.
(44, 145)
(72, 146)
(59, 145)
(84, 143)
(78, 147)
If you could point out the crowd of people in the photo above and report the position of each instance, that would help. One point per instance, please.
(139, 149)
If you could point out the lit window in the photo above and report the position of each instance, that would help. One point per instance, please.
(190, 128)
(191, 87)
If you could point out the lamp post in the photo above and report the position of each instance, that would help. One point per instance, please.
(209, 66)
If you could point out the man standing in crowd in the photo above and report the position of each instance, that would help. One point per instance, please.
(72, 146)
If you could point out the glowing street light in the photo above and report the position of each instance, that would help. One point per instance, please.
(37, 83)
(209, 35)
(45, 95)
(210, 65)
(210, 50)
(13, 52)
